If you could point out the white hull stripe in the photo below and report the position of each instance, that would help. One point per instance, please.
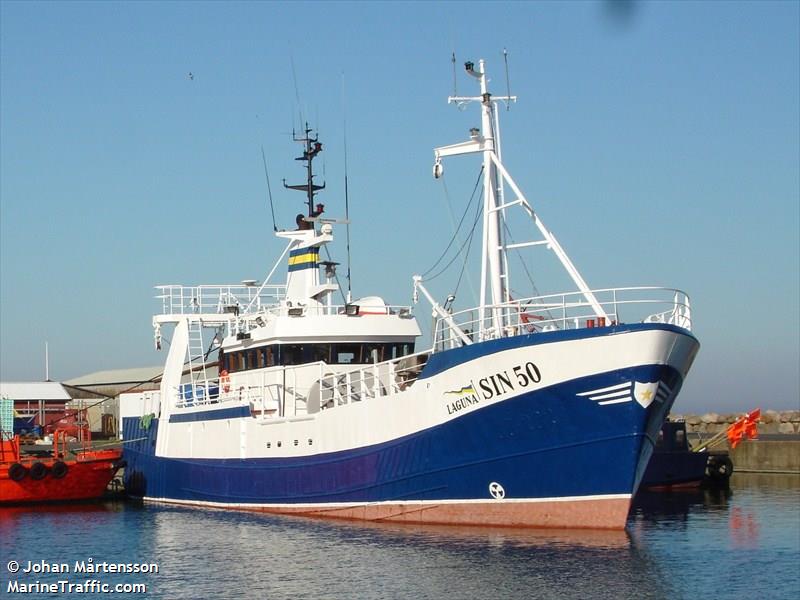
(613, 394)
(626, 392)
(334, 505)
(621, 394)
(618, 401)
(619, 387)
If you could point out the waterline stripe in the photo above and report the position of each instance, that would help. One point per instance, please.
(385, 502)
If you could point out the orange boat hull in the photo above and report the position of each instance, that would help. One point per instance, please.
(86, 478)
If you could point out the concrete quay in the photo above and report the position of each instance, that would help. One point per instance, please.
(777, 449)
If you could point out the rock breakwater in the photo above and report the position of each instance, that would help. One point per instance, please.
(771, 422)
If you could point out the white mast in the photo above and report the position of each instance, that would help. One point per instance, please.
(494, 250)
(494, 265)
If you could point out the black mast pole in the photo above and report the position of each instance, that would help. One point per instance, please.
(310, 175)
(311, 148)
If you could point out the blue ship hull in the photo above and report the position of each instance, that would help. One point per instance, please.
(549, 446)
(543, 444)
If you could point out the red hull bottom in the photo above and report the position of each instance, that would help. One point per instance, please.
(609, 512)
(84, 480)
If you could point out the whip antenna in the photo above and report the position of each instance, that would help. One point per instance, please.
(453, 60)
(296, 93)
(346, 195)
(508, 83)
(269, 190)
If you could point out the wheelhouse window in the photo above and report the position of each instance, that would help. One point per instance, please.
(374, 352)
(320, 353)
(399, 350)
(232, 361)
(345, 354)
(299, 354)
(291, 354)
(267, 356)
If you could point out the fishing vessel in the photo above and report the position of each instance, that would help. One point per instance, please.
(676, 465)
(535, 410)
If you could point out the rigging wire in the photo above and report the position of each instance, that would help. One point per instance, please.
(105, 397)
(136, 384)
(458, 227)
(469, 239)
(269, 190)
(466, 255)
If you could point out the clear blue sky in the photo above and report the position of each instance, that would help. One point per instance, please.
(660, 143)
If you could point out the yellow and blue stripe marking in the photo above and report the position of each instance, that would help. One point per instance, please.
(303, 258)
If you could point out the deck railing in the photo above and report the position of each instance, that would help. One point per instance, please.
(371, 381)
(304, 389)
(217, 299)
(309, 388)
(246, 303)
(567, 311)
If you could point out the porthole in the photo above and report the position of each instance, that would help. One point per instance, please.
(296, 442)
(269, 444)
(310, 441)
(279, 444)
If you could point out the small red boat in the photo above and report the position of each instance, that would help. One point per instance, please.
(26, 479)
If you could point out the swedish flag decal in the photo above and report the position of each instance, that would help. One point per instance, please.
(303, 258)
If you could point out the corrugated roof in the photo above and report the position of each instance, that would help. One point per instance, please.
(33, 390)
(117, 377)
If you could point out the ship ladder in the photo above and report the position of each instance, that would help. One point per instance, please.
(196, 351)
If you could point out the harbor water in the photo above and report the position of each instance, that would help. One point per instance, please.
(740, 543)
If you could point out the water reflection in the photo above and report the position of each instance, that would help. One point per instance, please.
(405, 533)
(204, 553)
(12, 518)
(306, 558)
(10, 512)
(677, 505)
(743, 527)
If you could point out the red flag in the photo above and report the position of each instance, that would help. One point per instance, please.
(750, 430)
(744, 428)
(753, 416)
(735, 432)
